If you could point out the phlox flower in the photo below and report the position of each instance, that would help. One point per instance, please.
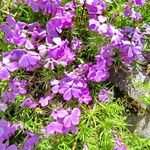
(7, 66)
(31, 141)
(104, 95)
(11, 147)
(44, 101)
(18, 87)
(6, 130)
(29, 103)
(29, 60)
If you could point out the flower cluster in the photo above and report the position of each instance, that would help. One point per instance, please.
(72, 86)
(15, 88)
(49, 47)
(64, 121)
(7, 130)
(47, 6)
(131, 13)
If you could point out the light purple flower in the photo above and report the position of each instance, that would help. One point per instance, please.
(61, 52)
(44, 101)
(8, 97)
(54, 127)
(3, 107)
(130, 12)
(11, 147)
(119, 145)
(73, 118)
(76, 44)
(7, 66)
(64, 121)
(104, 95)
(97, 73)
(6, 130)
(31, 141)
(47, 6)
(85, 97)
(29, 60)
(18, 87)
(70, 87)
(29, 103)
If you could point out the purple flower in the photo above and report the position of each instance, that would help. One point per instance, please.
(129, 51)
(64, 121)
(18, 87)
(62, 20)
(14, 31)
(11, 147)
(130, 12)
(47, 6)
(16, 54)
(29, 60)
(28, 103)
(44, 101)
(69, 87)
(95, 7)
(7, 66)
(6, 130)
(3, 107)
(138, 2)
(119, 145)
(97, 73)
(61, 52)
(104, 95)
(8, 97)
(85, 97)
(54, 127)
(31, 141)
(76, 44)
(73, 118)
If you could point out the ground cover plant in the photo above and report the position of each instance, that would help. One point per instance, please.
(56, 61)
